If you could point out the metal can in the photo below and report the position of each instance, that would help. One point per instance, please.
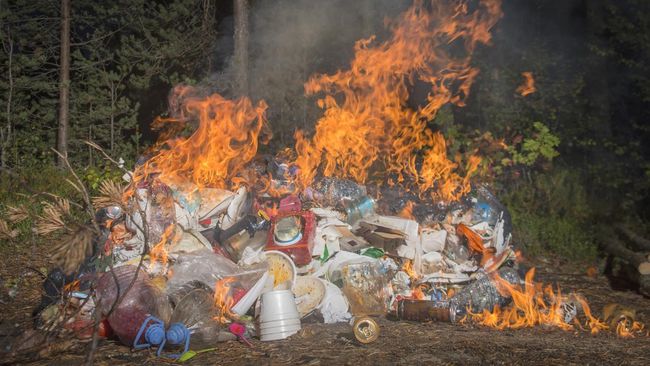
(366, 330)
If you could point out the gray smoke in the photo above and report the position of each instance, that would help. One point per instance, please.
(292, 39)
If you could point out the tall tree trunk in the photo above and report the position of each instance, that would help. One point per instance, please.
(113, 98)
(241, 46)
(208, 28)
(5, 135)
(64, 82)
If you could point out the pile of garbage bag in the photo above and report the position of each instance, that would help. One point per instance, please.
(187, 267)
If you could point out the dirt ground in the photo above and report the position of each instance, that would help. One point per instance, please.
(402, 343)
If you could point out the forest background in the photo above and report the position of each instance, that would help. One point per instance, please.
(577, 159)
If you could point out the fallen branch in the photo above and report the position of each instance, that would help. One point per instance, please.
(639, 261)
(638, 269)
(637, 240)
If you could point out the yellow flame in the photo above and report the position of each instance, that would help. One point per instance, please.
(533, 305)
(367, 121)
(223, 300)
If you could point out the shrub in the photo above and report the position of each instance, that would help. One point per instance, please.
(551, 216)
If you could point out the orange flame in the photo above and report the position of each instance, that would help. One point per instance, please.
(367, 121)
(626, 330)
(408, 269)
(223, 300)
(417, 293)
(119, 233)
(407, 211)
(159, 251)
(416, 290)
(533, 305)
(226, 138)
(528, 87)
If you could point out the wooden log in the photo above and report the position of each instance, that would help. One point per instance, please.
(639, 261)
(644, 285)
(642, 280)
(637, 240)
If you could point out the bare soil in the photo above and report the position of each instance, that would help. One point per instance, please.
(402, 343)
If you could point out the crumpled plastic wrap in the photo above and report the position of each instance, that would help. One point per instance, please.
(203, 266)
(334, 306)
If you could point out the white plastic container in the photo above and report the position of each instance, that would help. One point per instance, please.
(277, 336)
(279, 317)
(278, 305)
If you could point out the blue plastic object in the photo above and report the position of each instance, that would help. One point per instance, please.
(482, 211)
(154, 335)
(175, 335)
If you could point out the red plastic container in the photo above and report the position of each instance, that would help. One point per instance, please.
(300, 252)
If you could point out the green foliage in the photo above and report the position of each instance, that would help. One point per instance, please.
(35, 184)
(542, 145)
(552, 216)
(94, 176)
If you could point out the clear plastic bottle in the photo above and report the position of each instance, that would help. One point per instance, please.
(482, 294)
(329, 191)
(128, 310)
(359, 208)
(196, 312)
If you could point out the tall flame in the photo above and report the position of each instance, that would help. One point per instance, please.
(226, 138)
(367, 121)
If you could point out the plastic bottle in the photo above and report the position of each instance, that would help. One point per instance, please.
(482, 294)
(195, 313)
(128, 311)
(330, 191)
(359, 208)
(489, 209)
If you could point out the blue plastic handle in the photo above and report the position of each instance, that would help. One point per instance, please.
(176, 334)
(155, 334)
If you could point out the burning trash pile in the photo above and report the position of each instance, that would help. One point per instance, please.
(211, 241)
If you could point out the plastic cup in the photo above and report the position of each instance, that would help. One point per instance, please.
(278, 305)
(279, 317)
(285, 324)
(277, 336)
(283, 329)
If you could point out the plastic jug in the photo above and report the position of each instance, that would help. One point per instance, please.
(127, 311)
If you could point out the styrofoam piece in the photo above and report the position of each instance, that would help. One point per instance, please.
(309, 293)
